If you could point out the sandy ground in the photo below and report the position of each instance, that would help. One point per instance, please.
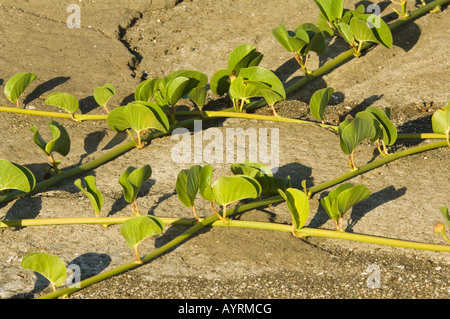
(118, 43)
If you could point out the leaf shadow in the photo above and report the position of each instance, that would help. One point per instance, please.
(45, 87)
(88, 265)
(88, 104)
(360, 107)
(376, 199)
(40, 284)
(24, 208)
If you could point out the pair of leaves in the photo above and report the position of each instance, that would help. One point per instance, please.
(169, 90)
(138, 116)
(15, 176)
(241, 57)
(136, 229)
(257, 81)
(132, 180)
(17, 84)
(306, 38)
(298, 204)
(225, 190)
(372, 124)
(341, 199)
(187, 185)
(104, 93)
(49, 266)
(441, 121)
(361, 29)
(92, 192)
(60, 142)
(263, 174)
(352, 25)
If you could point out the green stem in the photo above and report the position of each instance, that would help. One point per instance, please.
(314, 232)
(78, 117)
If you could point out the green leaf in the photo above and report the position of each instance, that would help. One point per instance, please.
(229, 189)
(220, 82)
(346, 32)
(324, 26)
(60, 142)
(15, 176)
(205, 180)
(361, 31)
(315, 40)
(49, 266)
(290, 43)
(132, 180)
(136, 229)
(147, 89)
(263, 75)
(388, 131)
(145, 115)
(63, 100)
(319, 102)
(344, 197)
(17, 84)
(241, 89)
(187, 185)
(196, 79)
(198, 96)
(331, 9)
(271, 97)
(261, 172)
(104, 93)
(298, 205)
(175, 89)
(116, 120)
(240, 57)
(353, 132)
(380, 29)
(445, 213)
(92, 192)
(441, 120)
(350, 197)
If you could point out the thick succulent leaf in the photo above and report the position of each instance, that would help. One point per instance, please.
(116, 120)
(15, 176)
(104, 93)
(331, 9)
(319, 102)
(220, 82)
(298, 205)
(132, 180)
(260, 74)
(441, 120)
(346, 32)
(350, 197)
(198, 96)
(205, 183)
(17, 84)
(316, 42)
(91, 191)
(261, 172)
(63, 100)
(187, 185)
(241, 89)
(380, 30)
(240, 57)
(145, 115)
(49, 266)
(353, 132)
(229, 189)
(147, 89)
(196, 79)
(323, 25)
(388, 130)
(361, 31)
(289, 42)
(60, 142)
(136, 229)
